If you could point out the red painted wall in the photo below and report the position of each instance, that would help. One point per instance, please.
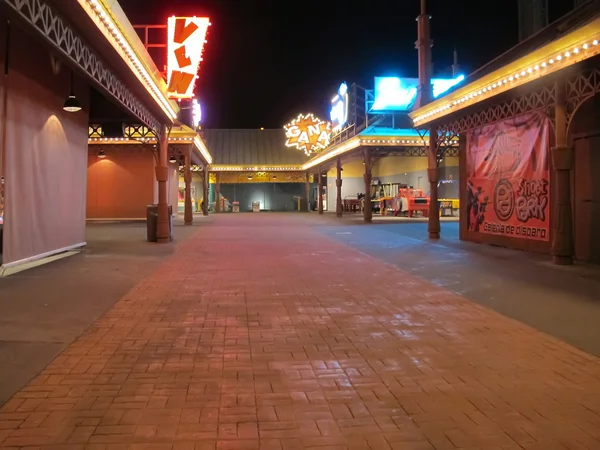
(120, 185)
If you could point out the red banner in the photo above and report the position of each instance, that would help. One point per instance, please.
(508, 180)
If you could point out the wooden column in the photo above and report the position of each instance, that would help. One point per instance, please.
(162, 176)
(320, 199)
(188, 214)
(218, 193)
(433, 220)
(562, 164)
(307, 191)
(368, 209)
(205, 199)
(338, 185)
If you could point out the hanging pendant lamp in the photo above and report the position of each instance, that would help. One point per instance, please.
(71, 103)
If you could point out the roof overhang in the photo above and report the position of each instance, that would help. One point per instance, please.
(367, 141)
(574, 47)
(180, 135)
(110, 20)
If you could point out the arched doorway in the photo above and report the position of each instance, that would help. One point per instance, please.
(585, 136)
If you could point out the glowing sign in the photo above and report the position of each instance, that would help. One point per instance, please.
(399, 94)
(339, 109)
(308, 133)
(196, 113)
(186, 39)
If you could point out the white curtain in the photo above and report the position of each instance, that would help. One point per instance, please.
(46, 157)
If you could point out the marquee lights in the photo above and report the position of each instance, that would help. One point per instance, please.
(339, 109)
(196, 113)
(186, 39)
(110, 29)
(308, 133)
(477, 91)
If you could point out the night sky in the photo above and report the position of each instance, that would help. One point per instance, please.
(266, 61)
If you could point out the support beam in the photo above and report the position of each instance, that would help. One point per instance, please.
(163, 232)
(338, 185)
(205, 199)
(433, 220)
(188, 215)
(562, 165)
(320, 188)
(218, 193)
(368, 208)
(307, 191)
(423, 46)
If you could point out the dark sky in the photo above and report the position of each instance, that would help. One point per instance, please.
(268, 60)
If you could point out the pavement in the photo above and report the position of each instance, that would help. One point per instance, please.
(281, 331)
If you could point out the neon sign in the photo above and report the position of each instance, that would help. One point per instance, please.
(339, 109)
(196, 113)
(186, 39)
(399, 94)
(308, 133)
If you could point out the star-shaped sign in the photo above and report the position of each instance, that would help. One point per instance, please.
(308, 133)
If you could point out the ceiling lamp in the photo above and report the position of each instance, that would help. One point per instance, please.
(71, 103)
(101, 154)
(172, 159)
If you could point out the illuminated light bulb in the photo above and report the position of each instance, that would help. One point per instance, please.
(523, 73)
(511, 78)
(551, 61)
(585, 46)
(595, 42)
(494, 85)
(516, 76)
(567, 54)
(558, 58)
(544, 64)
(575, 50)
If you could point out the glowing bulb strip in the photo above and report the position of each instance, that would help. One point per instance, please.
(124, 140)
(336, 151)
(242, 168)
(106, 24)
(203, 150)
(540, 63)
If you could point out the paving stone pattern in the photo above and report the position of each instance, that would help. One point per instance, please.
(261, 333)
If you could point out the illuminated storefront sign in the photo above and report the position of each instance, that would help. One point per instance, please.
(307, 133)
(399, 94)
(339, 109)
(196, 113)
(186, 38)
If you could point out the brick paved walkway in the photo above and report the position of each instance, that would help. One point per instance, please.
(260, 334)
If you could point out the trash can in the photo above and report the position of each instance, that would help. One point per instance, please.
(152, 223)
(255, 206)
(235, 207)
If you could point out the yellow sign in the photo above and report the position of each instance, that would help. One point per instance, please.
(308, 133)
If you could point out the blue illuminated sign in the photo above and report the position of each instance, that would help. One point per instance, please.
(399, 94)
(339, 109)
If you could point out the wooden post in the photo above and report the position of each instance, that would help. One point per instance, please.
(368, 209)
(188, 215)
(562, 164)
(338, 184)
(162, 176)
(218, 193)
(307, 191)
(320, 189)
(205, 199)
(433, 220)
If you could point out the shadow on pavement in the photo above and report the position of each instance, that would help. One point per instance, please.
(44, 309)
